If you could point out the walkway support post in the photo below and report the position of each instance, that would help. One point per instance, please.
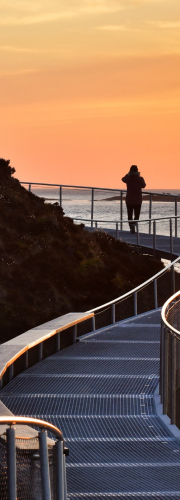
(11, 463)
(173, 380)
(45, 478)
(150, 212)
(92, 206)
(29, 187)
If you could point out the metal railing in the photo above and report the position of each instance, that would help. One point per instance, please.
(95, 203)
(170, 358)
(44, 483)
(149, 295)
(170, 228)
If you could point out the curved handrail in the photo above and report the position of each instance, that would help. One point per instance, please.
(137, 289)
(13, 420)
(163, 313)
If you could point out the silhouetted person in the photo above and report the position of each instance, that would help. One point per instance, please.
(134, 195)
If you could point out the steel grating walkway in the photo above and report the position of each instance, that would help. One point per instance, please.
(99, 392)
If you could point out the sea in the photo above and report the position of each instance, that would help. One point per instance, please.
(77, 204)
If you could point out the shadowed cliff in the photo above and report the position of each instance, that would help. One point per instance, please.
(50, 266)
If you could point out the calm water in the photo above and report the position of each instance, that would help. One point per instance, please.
(76, 203)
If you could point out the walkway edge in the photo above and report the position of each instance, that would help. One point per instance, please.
(173, 429)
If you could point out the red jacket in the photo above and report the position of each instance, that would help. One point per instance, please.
(134, 185)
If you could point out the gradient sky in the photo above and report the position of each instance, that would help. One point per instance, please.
(88, 87)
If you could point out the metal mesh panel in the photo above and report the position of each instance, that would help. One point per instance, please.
(103, 318)
(76, 202)
(19, 365)
(164, 287)
(84, 327)
(67, 337)
(145, 299)
(33, 355)
(6, 377)
(125, 308)
(28, 469)
(50, 346)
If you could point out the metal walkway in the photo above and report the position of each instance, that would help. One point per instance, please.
(163, 243)
(99, 392)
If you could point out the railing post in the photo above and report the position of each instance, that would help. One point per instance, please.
(93, 324)
(165, 372)
(150, 212)
(92, 206)
(171, 239)
(59, 471)
(135, 303)
(60, 196)
(29, 187)
(113, 314)
(45, 477)
(58, 341)
(173, 279)
(11, 372)
(161, 380)
(65, 482)
(155, 295)
(11, 463)
(26, 359)
(116, 230)
(176, 217)
(173, 380)
(138, 238)
(1, 382)
(96, 224)
(41, 351)
(74, 333)
(154, 239)
(121, 208)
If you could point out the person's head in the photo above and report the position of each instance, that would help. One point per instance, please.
(133, 168)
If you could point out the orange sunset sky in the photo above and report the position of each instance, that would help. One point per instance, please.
(88, 87)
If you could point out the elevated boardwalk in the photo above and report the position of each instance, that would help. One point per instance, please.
(163, 243)
(100, 393)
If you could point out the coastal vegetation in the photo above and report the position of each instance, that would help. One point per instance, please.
(51, 266)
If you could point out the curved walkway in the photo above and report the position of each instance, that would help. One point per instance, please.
(163, 243)
(100, 393)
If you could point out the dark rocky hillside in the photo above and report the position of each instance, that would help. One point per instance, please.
(50, 266)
